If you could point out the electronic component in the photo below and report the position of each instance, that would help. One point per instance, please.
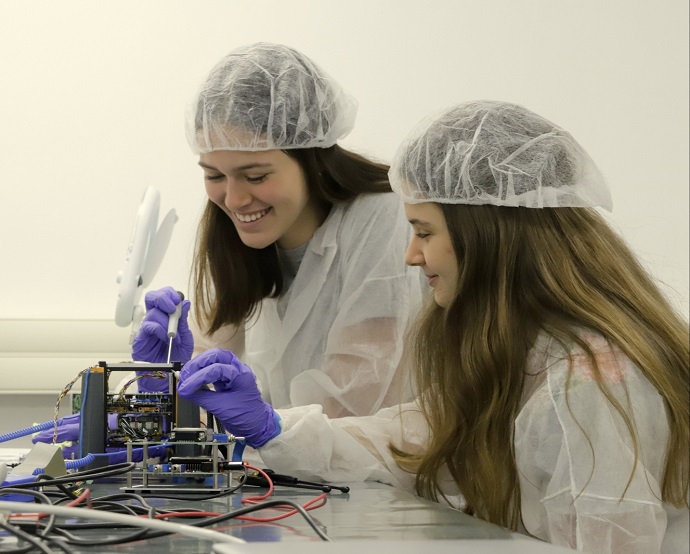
(115, 419)
(127, 420)
(191, 434)
(205, 472)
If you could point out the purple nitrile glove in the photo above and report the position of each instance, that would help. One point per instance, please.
(236, 400)
(151, 342)
(68, 431)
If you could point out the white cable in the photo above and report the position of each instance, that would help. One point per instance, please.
(205, 534)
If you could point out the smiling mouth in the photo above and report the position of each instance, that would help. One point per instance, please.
(248, 218)
(431, 278)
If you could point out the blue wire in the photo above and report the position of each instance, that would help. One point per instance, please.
(69, 464)
(28, 431)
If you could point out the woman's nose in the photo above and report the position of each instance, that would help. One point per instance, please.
(236, 195)
(413, 255)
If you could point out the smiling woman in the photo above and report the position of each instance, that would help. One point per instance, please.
(265, 194)
(431, 249)
(299, 258)
(548, 402)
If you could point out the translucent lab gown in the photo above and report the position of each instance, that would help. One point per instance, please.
(570, 484)
(340, 339)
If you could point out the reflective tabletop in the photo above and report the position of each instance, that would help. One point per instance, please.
(370, 513)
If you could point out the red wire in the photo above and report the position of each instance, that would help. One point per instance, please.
(86, 495)
(313, 504)
(185, 514)
(254, 500)
(307, 506)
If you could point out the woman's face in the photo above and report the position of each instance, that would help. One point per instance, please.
(431, 249)
(265, 194)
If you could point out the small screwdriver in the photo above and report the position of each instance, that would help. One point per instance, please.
(173, 321)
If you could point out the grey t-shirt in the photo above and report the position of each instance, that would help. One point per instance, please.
(290, 261)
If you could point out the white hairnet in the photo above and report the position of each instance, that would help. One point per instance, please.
(489, 152)
(268, 96)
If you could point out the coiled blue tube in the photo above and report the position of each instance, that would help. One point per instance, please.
(70, 464)
(28, 431)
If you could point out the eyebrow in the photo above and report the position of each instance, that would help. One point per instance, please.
(418, 222)
(239, 168)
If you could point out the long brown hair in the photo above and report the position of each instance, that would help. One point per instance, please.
(523, 271)
(230, 279)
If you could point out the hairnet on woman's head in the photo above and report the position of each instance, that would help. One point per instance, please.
(268, 96)
(497, 153)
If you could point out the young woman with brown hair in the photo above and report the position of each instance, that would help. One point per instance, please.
(298, 266)
(552, 373)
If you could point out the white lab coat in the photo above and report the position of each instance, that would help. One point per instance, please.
(565, 499)
(340, 341)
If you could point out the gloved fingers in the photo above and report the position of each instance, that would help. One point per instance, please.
(215, 356)
(165, 299)
(180, 354)
(186, 306)
(152, 381)
(112, 421)
(68, 432)
(207, 358)
(71, 451)
(155, 323)
(153, 329)
(207, 399)
(151, 351)
(183, 331)
(152, 384)
(220, 375)
(73, 418)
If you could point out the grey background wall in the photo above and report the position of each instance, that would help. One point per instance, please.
(93, 97)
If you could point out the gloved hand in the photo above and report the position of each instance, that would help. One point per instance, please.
(151, 342)
(236, 400)
(68, 433)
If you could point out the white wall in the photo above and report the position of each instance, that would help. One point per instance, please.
(93, 94)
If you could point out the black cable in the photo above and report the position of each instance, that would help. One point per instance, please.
(138, 535)
(118, 508)
(21, 550)
(105, 471)
(248, 510)
(60, 543)
(146, 533)
(132, 509)
(36, 543)
(99, 505)
(70, 495)
(124, 496)
(45, 480)
(145, 507)
(245, 510)
(39, 495)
